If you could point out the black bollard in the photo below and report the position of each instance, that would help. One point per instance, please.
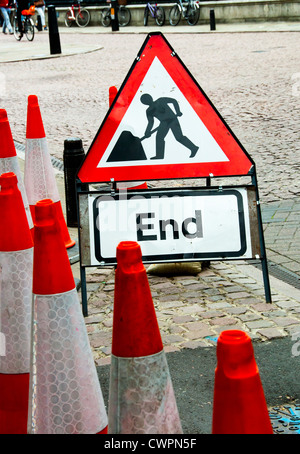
(212, 19)
(54, 39)
(73, 158)
(114, 16)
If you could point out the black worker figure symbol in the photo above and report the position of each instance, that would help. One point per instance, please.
(168, 119)
(129, 147)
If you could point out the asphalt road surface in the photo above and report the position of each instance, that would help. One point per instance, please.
(192, 373)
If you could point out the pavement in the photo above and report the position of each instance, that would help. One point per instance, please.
(194, 303)
(13, 51)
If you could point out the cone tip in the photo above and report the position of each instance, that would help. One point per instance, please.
(7, 147)
(3, 115)
(129, 255)
(35, 127)
(233, 337)
(128, 246)
(234, 347)
(32, 100)
(8, 180)
(44, 214)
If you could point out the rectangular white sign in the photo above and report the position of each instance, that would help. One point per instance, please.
(171, 225)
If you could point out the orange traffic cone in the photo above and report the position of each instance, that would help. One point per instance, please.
(9, 160)
(16, 258)
(65, 393)
(112, 93)
(39, 177)
(239, 400)
(141, 396)
(128, 185)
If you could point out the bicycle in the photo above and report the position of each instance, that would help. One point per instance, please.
(27, 24)
(190, 12)
(157, 13)
(81, 17)
(124, 16)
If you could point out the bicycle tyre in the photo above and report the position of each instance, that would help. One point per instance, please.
(160, 16)
(29, 29)
(146, 12)
(16, 29)
(68, 21)
(124, 16)
(105, 17)
(83, 18)
(193, 14)
(175, 14)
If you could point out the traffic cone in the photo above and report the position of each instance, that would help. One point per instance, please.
(141, 396)
(9, 160)
(239, 401)
(39, 177)
(65, 393)
(112, 93)
(16, 261)
(129, 185)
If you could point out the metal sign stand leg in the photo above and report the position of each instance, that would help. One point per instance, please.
(79, 189)
(83, 291)
(264, 262)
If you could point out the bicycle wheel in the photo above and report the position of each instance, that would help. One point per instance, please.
(83, 18)
(16, 29)
(29, 29)
(193, 14)
(174, 15)
(69, 19)
(124, 16)
(146, 12)
(160, 16)
(105, 17)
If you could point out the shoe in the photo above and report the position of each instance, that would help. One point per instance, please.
(20, 36)
(11, 33)
(194, 151)
(45, 28)
(3, 32)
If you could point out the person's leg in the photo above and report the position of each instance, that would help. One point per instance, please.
(3, 21)
(6, 21)
(160, 141)
(176, 129)
(19, 19)
(41, 14)
(43, 17)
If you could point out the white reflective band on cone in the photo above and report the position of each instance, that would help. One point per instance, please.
(12, 165)
(39, 177)
(141, 397)
(16, 304)
(65, 394)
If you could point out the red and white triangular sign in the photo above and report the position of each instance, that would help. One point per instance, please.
(161, 125)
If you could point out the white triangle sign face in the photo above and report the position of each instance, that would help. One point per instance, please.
(164, 92)
(162, 126)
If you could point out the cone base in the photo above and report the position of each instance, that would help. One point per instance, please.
(14, 403)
